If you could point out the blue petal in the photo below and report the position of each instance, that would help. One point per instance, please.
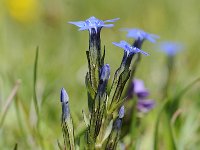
(152, 38)
(84, 28)
(64, 96)
(93, 23)
(171, 48)
(142, 52)
(108, 25)
(118, 44)
(111, 20)
(78, 23)
(140, 34)
(128, 48)
(121, 44)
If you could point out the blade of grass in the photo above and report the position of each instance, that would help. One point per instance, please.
(34, 82)
(31, 130)
(19, 120)
(188, 87)
(9, 101)
(16, 147)
(177, 98)
(40, 138)
(156, 146)
(172, 139)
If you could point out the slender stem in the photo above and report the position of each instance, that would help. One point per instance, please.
(133, 70)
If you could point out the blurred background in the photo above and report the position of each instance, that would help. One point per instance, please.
(26, 24)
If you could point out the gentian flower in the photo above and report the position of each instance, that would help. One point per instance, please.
(170, 48)
(139, 36)
(118, 122)
(104, 76)
(121, 112)
(145, 105)
(139, 90)
(64, 99)
(128, 48)
(129, 51)
(93, 23)
(105, 73)
(94, 26)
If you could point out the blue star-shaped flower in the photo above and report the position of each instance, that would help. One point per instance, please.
(128, 48)
(139, 34)
(93, 23)
(170, 48)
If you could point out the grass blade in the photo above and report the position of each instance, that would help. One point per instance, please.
(9, 101)
(34, 82)
(156, 144)
(16, 147)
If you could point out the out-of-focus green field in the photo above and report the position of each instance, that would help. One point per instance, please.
(26, 24)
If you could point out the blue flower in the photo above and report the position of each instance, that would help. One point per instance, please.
(93, 23)
(170, 48)
(121, 112)
(130, 50)
(104, 76)
(64, 99)
(105, 72)
(141, 35)
(117, 124)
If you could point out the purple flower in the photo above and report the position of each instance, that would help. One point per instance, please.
(170, 48)
(130, 50)
(145, 105)
(141, 35)
(93, 23)
(139, 90)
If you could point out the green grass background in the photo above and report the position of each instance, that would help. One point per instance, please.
(26, 24)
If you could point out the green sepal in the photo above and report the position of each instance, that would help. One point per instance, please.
(124, 76)
(86, 120)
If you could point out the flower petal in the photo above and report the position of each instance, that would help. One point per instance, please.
(78, 23)
(111, 20)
